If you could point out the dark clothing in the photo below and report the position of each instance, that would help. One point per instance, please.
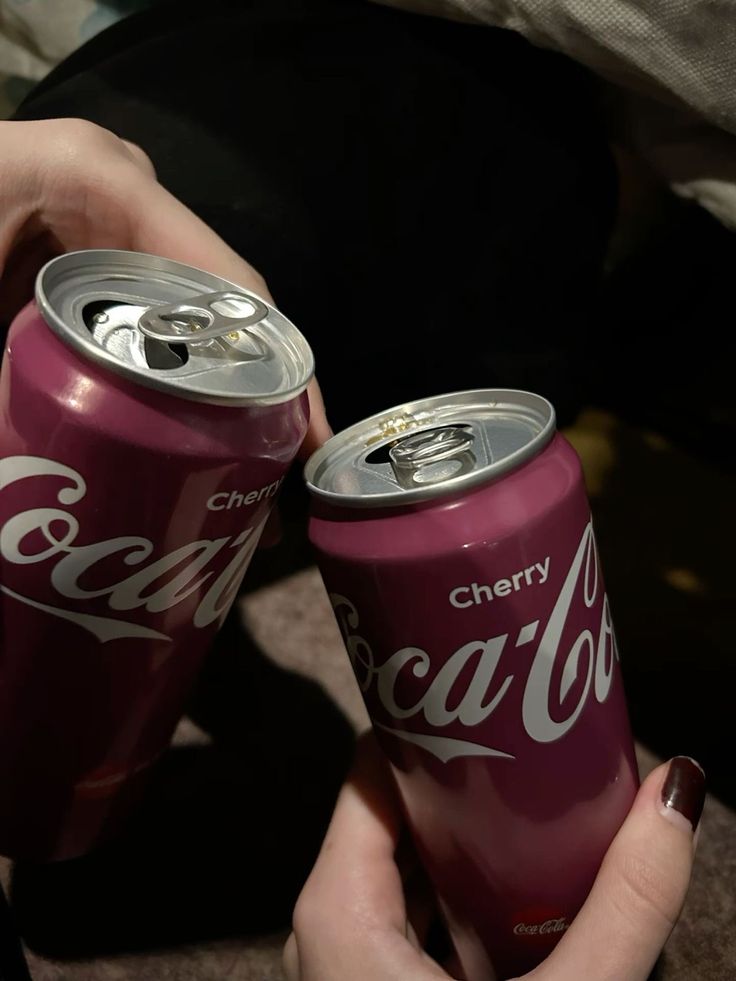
(429, 202)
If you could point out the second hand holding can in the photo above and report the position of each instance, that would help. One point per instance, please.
(455, 540)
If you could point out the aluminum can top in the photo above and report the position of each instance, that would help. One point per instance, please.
(174, 328)
(431, 448)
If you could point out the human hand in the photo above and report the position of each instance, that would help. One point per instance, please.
(353, 923)
(67, 184)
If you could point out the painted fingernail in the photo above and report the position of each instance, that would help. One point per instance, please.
(683, 790)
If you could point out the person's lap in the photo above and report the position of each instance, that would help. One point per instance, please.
(430, 202)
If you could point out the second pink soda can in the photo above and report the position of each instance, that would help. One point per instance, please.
(148, 414)
(455, 540)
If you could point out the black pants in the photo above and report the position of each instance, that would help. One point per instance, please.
(430, 202)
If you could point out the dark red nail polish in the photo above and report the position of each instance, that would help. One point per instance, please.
(684, 789)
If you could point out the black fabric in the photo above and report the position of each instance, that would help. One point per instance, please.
(430, 202)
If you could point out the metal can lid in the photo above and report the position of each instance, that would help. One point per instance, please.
(174, 328)
(431, 448)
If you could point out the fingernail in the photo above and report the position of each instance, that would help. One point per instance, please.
(683, 790)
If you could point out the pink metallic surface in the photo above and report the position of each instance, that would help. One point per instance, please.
(479, 631)
(115, 575)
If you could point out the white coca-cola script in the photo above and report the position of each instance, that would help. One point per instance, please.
(492, 679)
(151, 587)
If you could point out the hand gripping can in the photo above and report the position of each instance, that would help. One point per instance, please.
(149, 414)
(455, 540)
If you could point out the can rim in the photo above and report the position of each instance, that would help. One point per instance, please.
(477, 478)
(152, 380)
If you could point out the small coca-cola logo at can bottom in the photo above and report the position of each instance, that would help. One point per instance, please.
(541, 925)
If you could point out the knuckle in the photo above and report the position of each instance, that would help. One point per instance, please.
(80, 133)
(92, 167)
(139, 157)
(90, 153)
(647, 889)
(75, 149)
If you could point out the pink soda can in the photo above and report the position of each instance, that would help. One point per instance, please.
(149, 414)
(455, 540)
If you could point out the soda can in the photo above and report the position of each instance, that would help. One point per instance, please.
(455, 540)
(149, 413)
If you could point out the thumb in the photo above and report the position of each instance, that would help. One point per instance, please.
(641, 887)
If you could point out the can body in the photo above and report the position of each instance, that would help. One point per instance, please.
(480, 634)
(127, 519)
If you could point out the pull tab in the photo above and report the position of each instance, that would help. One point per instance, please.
(201, 317)
(432, 457)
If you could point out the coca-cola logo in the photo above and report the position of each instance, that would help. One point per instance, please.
(153, 587)
(553, 926)
(491, 678)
